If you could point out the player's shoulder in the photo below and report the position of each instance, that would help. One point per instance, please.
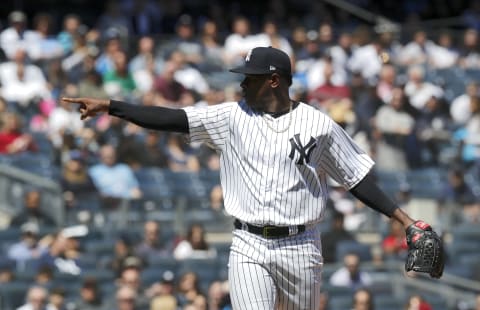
(312, 112)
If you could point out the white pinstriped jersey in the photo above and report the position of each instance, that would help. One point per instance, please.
(277, 178)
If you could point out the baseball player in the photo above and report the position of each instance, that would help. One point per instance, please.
(275, 156)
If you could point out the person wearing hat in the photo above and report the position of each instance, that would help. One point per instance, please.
(13, 37)
(90, 297)
(28, 247)
(275, 156)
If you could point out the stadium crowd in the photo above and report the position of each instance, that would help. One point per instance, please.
(410, 97)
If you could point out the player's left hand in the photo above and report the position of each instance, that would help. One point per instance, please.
(425, 250)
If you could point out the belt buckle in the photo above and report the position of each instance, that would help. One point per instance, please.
(244, 226)
(266, 233)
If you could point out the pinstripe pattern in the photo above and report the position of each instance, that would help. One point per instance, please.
(277, 178)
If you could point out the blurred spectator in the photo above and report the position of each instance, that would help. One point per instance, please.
(433, 128)
(386, 83)
(238, 42)
(130, 277)
(23, 84)
(66, 37)
(146, 16)
(63, 253)
(81, 60)
(213, 52)
(363, 300)
(351, 275)
(164, 302)
(125, 299)
(178, 156)
(32, 211)
(165, 85)
(186, 41)
(44, 276)
(416, 302)
(469, 51)
(152, 244)
(216, 198)
(271, 37)
(15, 36)
(341, 51)
(7, 271)
(367, 60)
(42, 45)
(90, 296)
(469, 134)
(418, 90)
(144, 66)
(113, 19)
(57, 299)
(29, 246)
(394, 245)
(416, 51)
(460, 107)
(113, 179)
(37, 299)
(217, 295)
(119, 82)
(188, 75)
(456, 189)
(394, 125)
(12, 138)
(153, 153)
(194, 245)
(112, 45)
(64, 118)
(123, 248)
(75, 180)
(333, 236)
(164, 287)
(92, 84)
(188, 288)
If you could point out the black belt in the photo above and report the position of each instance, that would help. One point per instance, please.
(270, 231)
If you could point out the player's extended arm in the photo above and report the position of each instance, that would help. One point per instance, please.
(157, 118)
(425, 247)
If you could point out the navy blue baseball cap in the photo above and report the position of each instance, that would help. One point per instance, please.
(265, 60)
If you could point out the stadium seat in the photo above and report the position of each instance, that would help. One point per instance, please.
(13, 294)
(348, 246)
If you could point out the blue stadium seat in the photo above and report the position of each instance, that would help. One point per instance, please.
(348, 246)
(13, 294)
(426, 183)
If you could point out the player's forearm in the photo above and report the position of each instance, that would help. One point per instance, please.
(368, 192)
(157, 118)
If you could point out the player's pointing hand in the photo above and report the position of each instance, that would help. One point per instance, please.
(89, 107)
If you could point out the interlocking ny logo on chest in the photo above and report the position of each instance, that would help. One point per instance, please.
(304, 151)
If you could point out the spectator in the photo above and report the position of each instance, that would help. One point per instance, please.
(238, 42)
(66, 37)
(7, 274)
(153, 154)
(29, 246)
(112, 44)
(130, 277)
(386, 83)
(33, 211)
(217, 295)
(188, 288)
(367, 60)
(460, 107)
(64, 118)
(123, 248)
(165, 85)
(418, 90)
(113, 179)
(152, 244)
(469, 134)
(90, 297)
(333, 236)
(81, 59)
(37, 299)
(350, 275)
(23, 84)
(188, 75)
(14, 37)
(44, 276)
(394, 245)
(113, 19)
(165, 302)
(57, 299)
(179, 157)
(213, 52)
(416, 51)
(416, 302)
(12, 138)
(119, 82)
(92, 84)
(144, 66)
(394, 125)
(165, 287)
(194, 245)
(469, 52)
(42, 46)
(271, 37)
(363, 300)
(125, 298)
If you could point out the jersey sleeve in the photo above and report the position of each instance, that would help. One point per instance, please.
(341, 158)
(210, 124)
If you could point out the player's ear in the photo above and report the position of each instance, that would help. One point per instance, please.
(274, 80)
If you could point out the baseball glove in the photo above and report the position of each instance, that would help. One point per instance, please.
(425, 250)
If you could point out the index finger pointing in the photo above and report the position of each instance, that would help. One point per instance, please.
(73, 100)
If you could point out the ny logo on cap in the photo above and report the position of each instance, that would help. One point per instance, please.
(272, 68)
(249, 54)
